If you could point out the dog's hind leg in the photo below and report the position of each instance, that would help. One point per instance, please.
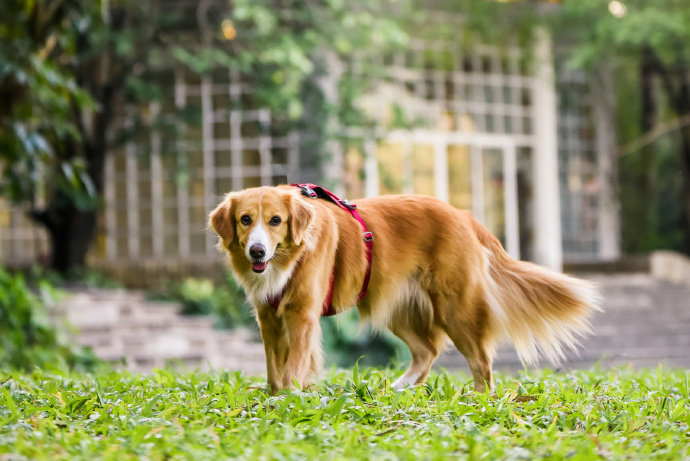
(424, 342)
(469, 330)
(479, 359)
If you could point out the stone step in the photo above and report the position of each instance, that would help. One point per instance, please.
(168, 347)
(645, 322)
(169, 342)
(635, 356)
(123, 327)
(145, 325)
(251, 356)
(108, 313)
(107, 294)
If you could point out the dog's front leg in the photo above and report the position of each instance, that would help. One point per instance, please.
(275, 346)
(304, 355)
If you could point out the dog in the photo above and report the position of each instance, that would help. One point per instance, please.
(437, 276)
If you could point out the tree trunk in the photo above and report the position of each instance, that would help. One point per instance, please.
(681, 101)
(685, 170)
(71, 233)
(649, 115)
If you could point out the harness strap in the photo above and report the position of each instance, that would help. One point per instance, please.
(313, 191)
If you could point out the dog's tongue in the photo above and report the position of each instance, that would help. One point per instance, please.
(259, 266)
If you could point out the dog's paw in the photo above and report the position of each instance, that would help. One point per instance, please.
(399, 385)
(405, 381)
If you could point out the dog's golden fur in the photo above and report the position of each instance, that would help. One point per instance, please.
(437, 276)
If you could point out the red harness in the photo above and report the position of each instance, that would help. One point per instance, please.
(315, 192)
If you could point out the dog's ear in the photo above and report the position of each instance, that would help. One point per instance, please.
(222, 220)
(301, 220)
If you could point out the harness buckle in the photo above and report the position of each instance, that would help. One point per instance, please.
(349, 205)
(308, 191)
(368, 236)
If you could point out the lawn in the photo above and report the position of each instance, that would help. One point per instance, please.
(619, 414)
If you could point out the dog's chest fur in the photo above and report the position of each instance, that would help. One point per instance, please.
(261, 287)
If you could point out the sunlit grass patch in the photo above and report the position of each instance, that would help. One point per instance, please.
(620, 414)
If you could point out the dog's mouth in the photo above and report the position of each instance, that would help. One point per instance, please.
(259, 267)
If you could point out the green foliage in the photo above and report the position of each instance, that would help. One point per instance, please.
(649, 38)
(663, 227)
(85, 277)
(345, 342)
(67, 68)
(27, 338)
(615, 415)
(197, 296)
(39, 96)
(225, 302)
(601, 36)
(651, 218)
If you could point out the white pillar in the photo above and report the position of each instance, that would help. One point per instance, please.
(408, 165)
(609, 230)
(548, 243)
(441, 169)
(512, 226)
(477, 182)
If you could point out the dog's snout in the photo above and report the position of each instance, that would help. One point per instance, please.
(257, 251)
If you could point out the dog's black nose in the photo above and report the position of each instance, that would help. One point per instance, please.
(257, 251)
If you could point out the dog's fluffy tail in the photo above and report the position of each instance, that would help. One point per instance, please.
(540, 310)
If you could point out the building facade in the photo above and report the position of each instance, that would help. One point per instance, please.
(527, 148)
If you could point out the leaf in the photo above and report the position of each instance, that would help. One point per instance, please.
(518, 420)
(74, 405)
(235, 412)
(58, 395)
(681, 407)
(396, 399)
(148, 409)
(10, 402)
(335, 408)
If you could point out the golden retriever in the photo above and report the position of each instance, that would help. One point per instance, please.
(437, 275)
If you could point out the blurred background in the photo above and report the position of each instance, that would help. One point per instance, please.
(564, 126)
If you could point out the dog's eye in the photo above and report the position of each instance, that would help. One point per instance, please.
(246, 220)
(274, 221)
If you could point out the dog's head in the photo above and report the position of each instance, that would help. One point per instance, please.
(265, 222)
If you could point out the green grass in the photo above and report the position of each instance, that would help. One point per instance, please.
(619, 414)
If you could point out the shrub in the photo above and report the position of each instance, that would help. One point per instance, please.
(226, 302)
(27, 338)
(346, 342)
